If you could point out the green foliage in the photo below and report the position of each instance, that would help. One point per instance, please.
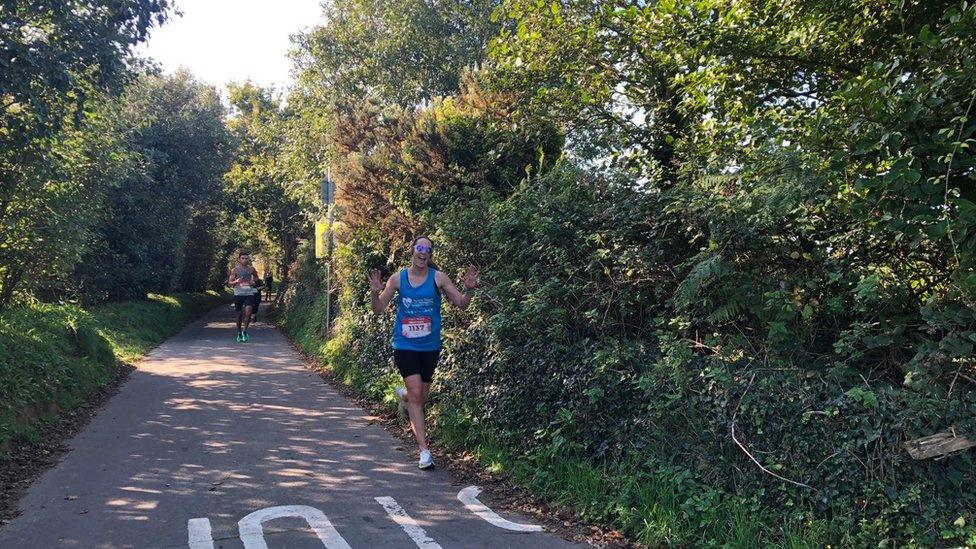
(761, 217)
(271, 202)
(57, 52)
(565, 378)
(52, 357)
(58, 145)
(49, 219)
(108, 182)
(625, 327)
(401, 52)
(821, 152)
(142, 243)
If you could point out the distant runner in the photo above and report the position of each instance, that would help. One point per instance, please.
(258, 289)
(417, 332)
(243, 278)
(269, 280)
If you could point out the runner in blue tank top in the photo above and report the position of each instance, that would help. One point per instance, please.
(417, 331)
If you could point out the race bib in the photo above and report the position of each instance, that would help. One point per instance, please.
(243, 289)
(415, 326)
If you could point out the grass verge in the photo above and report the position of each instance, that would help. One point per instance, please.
(53, 357)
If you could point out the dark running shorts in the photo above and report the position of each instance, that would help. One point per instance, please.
(240, 301)
(411, 363)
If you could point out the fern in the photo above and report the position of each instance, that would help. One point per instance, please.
(733, 306)
(700, 276)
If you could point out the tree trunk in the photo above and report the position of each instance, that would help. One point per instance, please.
(11, 280)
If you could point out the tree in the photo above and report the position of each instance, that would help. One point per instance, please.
(384, 53)
(54, 54)
(48, 223)
(55, 59)
(396, 51)
(270, 203)
(831, 131)
(176, 125)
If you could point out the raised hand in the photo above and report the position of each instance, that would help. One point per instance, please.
(375, 281)
(471, 277)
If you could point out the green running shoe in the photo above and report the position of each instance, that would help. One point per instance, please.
(246, 338)
(240, 337)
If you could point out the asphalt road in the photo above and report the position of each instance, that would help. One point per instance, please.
(213, 443)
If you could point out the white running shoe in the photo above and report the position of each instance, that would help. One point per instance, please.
(426, 460)
(401, 393)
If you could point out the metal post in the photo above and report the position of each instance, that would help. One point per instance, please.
(328, 277)
(330, 199)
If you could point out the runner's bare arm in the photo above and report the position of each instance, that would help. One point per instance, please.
(382, 295)
(458, 298)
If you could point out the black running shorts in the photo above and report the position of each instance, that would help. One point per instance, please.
(240, 301)
(411, 363)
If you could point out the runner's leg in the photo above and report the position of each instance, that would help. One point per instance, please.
(240, 312)
(239, 307)
(427, 366)
(415, 403)
(247, 315)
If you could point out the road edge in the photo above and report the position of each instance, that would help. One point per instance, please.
(498, 491)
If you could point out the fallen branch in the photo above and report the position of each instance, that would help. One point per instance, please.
(937, 445)
(746, 451)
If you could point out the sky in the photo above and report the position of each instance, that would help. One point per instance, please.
(223, 41)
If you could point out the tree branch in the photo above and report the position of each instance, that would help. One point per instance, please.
(743, 448)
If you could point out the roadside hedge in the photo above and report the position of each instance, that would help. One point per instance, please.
(626, 332)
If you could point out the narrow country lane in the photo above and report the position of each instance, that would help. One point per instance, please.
(212, 443)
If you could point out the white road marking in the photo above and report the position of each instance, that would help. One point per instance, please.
(252, 529)
(199, 534)
(410, 526)
(469, 497)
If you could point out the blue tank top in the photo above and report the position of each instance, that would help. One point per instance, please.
(418, 315)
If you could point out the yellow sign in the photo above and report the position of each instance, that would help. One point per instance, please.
(321, 238)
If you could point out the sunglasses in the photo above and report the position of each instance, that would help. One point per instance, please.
(421, 249)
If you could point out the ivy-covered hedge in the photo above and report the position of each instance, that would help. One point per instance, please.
(532, 367)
